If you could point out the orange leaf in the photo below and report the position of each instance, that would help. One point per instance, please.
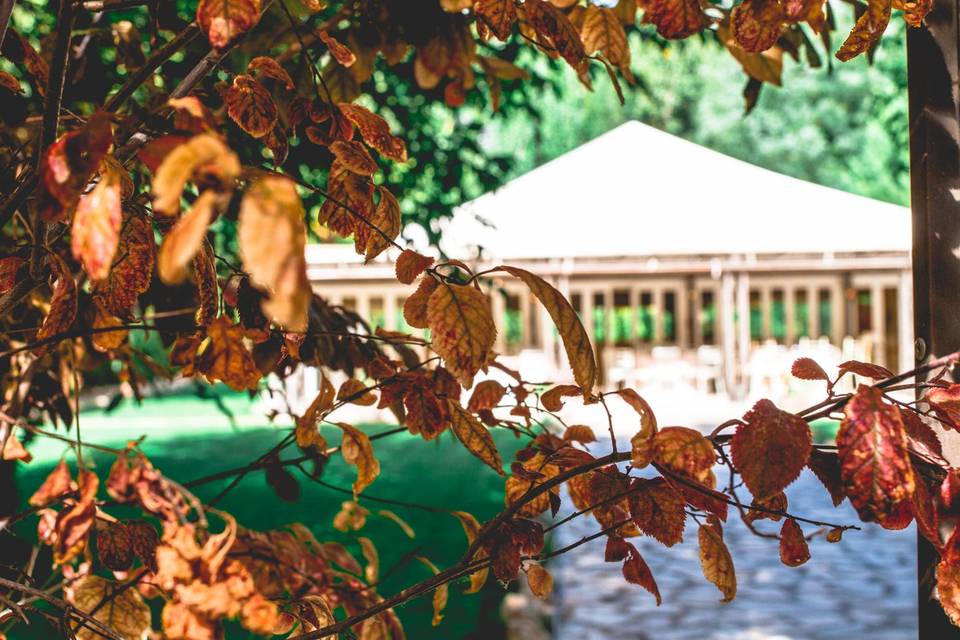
(948, 588)
(132, 268)
(715, 560)
(540, 581)
(874, 462)
(63, 302)
(579, 433)
(384, 226)
(498, 15)
(576, 342)
(108, 335)
(270, 68)
(684, 451)
(808, 369)
(474, 436)
(486, 395)
(96, 225)
(357, 450)
(793, 546)
(226, 358)
(865, 369)
(340, 52)
(204, 152)
(356, 392)
(770, 449)
(56, 484)
(226, 20)
(251, 106)
(411, 264)
(272, 238)
(462, 329)
(354, 156)
(375, 132)
(471, 528)
(603, 32)
(866, 32)
(658, 510)
(675, 19)
(184, 240)
(556, 31)
(757, 24)
(69, 164)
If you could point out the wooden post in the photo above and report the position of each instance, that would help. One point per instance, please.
(932, 53)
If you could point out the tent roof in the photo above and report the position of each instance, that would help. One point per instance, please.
(636, 191)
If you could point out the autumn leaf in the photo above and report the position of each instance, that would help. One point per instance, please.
(385, 225)
(914, 11)
(9, 266)
(415, 307)
(270, 68)
(526, 476)
(636, 571)
(602, 32)
(793, 546)
(757, 24)
(808, 369)
(54, 486)
(921, 433)
(440, 595)
(715, 560)
(684, 451)
(340, 52)
(471, 528)
(462, 329)
(576, 342)
(96, 225)
(675, 19)
(770, 449)
(411, 264)
(251, 106)
(658, 510)
(132, 268)
(226, 20)
(183, 241)
(70, 162)
(486, 395)
(204, 152)
(63, 303)
(225, 357)
(119, 609)
(557, 32)
(272, 238)
(945, 403)
(826, 467)
(354, 156)
(540, 581)
(10, 83)
(498, 15)
(865, 369)
(109, 333)
(874, 460)
(474, 436)
(357, 450)
(866, 32)
(375, 132)
(354, 391)
(948, 588)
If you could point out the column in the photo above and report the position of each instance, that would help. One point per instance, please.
(813, 313)
(878, 325)
(390, 310)
(790, 311)
(499, 309)
(743, 330)
(727, 331)
(766, 308)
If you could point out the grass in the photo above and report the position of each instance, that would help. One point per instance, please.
(188, 438)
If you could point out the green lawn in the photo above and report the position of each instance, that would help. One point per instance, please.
(188, 438)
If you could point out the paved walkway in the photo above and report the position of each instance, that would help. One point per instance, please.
(863, 587)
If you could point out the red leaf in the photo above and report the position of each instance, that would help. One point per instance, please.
(808, 369)
(793, 546)
(636, 571)
(826, 466)
(658, 510)
(770, 449)
(411, 264)
(946, 404)
(874, 462)
(865, 369)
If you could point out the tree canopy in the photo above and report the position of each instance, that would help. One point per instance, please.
(164, 166)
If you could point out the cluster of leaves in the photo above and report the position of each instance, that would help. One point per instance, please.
(112, 229)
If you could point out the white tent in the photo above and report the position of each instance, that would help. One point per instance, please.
(636, 191)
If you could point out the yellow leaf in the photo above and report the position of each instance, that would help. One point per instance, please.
(186, 237)
(715, 560)
(603, 32)
(226, 358)
(474, 436)
(203, 151)
(355, 392)
(867, 31)
(386, 218)
(471, 528)
(462, 329)
(576, 342)
(400, 522)
(96, 225)
(540, 581)
(107, 336)
(372, 571)
(272, 238)
(122, 610)
(440, 595)
(357, 450)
